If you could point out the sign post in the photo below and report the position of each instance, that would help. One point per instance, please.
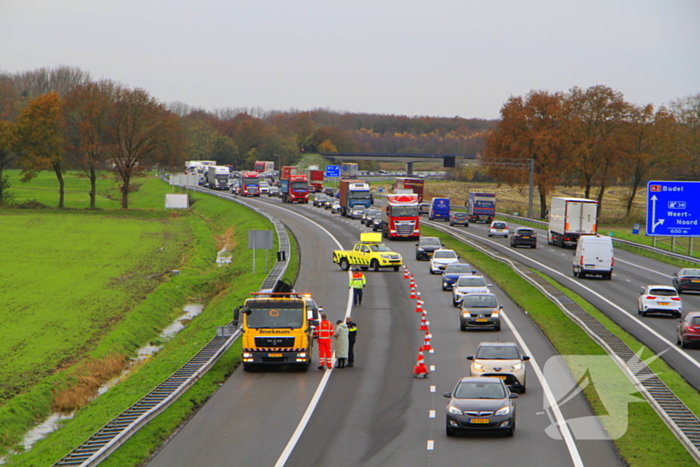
(332, 171)
(260, 239)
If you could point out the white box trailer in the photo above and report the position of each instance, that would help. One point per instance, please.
(217, 177)
(569, 218)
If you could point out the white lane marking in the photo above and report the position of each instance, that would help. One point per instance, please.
(432, 388)
(326, 374)
(561, 421)
(618, 260)
(618, 308)
(431, 445)
(431, 414)
(432, 368)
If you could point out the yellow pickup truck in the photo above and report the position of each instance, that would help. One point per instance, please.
(368, 253)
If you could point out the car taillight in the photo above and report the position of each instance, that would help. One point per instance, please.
(692, 329)
(676, 299)
(580, 260)
(651, 297)
(612, 262)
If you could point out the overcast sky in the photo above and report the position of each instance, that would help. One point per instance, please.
(408, 57)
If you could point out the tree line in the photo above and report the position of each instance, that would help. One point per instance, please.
(593, 138)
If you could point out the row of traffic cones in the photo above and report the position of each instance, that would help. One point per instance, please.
(420, 370)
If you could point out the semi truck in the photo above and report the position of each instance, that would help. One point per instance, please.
(416, 186)
(353, 193)
(217, 177)
(250, 184)
(277, 330)
(263, 166)
(316, 178)
(481, 207)
(399, 218)
(198, 167)
(295, 189)
(569, 219)
(348, 170)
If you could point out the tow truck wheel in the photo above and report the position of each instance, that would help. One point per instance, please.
(375, 265)
(344, 265)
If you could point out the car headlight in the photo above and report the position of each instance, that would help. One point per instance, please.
(517, 366)
(503, 411)
(421, 249)
(478, 366)
(454, 410)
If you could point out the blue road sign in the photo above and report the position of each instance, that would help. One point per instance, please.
(332, 171)
(673, 209)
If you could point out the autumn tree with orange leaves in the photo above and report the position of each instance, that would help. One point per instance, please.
(535, 127)
(40, 139)
(87, 109)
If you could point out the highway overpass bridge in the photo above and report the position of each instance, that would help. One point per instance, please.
(448, 160)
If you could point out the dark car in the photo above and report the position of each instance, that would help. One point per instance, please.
(426, 246)
(689, 329)
(480, 403)
(329, 191)
(523, 236)
(687, 280)
(370, 215)
(459, 218)
(479, 311)
(452, 273)
(328, 204)
(320, 200)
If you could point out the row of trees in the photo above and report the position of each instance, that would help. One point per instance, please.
(593, 138)
(55, 119)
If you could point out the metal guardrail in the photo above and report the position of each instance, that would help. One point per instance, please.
(618, 241)
(676, 415)
(108, 438)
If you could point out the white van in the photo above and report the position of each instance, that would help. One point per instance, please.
(594, 256)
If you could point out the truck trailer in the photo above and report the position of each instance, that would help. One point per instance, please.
(295, 189)
(353, 193)
(263, 166)
(481, 207)
(348, 170)
(316, 178)
(217, 177)
(569, 219)
(416, 186)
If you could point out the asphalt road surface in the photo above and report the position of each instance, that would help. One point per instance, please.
(376, 413)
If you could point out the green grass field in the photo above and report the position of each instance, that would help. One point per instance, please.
(80, 285)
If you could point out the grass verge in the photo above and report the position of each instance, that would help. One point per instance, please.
(210, 221)
(569, 339)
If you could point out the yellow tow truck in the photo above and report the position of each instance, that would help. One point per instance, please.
(278, 329)
(368, 253)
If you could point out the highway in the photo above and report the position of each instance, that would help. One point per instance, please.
(616, 298)
(376, 413)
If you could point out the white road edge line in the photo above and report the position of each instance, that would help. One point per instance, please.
(561, 421)
(326, 375)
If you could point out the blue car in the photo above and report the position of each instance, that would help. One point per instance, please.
(452, 273)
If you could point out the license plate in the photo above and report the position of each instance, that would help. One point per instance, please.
(275, 355)
(664, 303)
(499, 230)
(526, 237)
(694, 280)
(498, 376)
(481, 320)
(479, 420)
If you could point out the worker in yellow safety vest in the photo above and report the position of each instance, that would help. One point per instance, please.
(357, 283)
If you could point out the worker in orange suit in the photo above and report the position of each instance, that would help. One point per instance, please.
(325, 352)
(357, 283)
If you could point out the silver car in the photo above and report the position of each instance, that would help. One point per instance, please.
(502, 360)
(466, 285)
(440, 259)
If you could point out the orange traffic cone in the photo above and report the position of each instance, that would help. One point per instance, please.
(424, 324)
(426, 344)
(405, 273)
(413, 293)
(420, 370)
(419, 306)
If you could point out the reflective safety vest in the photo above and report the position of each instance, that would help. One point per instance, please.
(357, 281)
(325, 330)
(352, 327)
